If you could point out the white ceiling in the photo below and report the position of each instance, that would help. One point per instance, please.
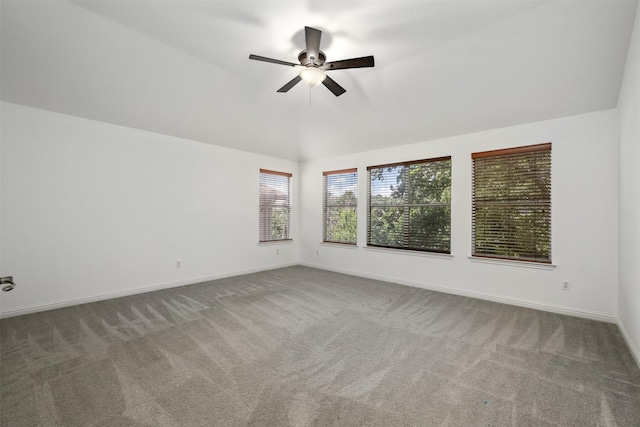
(443, 68)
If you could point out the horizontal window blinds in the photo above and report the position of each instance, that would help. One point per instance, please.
(512, 203)
(275, 205)
(340, 206)
(410, 205)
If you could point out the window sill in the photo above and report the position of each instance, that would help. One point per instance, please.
(513, 263)
(275, 242)
(340, 245)
(409, 252)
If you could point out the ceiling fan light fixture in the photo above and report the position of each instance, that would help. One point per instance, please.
(312, 76)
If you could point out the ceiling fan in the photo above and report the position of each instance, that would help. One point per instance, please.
(312, 59)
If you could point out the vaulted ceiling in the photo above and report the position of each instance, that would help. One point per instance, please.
(443, 68)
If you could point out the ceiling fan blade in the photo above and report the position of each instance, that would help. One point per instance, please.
(273, 61)
(365, 61)
(313, 42)
(291, 84)
(333, 86)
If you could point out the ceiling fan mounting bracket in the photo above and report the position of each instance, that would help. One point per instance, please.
(310, 60)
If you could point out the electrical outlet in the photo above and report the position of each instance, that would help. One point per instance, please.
(317, 251)
(565, 285)
(178, 264)
(277, 251)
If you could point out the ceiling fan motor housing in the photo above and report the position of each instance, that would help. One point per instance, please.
(310, 60)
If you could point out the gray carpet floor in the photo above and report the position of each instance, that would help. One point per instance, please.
(299, 346)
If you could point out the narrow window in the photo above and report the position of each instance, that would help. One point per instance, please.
(410, 205)
(512, 203)
(340, 206)
(275, 205)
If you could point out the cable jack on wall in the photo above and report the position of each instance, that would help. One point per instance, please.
(8, 281)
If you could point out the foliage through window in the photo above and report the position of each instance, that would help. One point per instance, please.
(340, 205)
(275, 205)
(512, 203)
(410, 205)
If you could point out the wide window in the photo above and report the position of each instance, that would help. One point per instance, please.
(340, 206)
(410, 205)
(512, 203)
(275, 205)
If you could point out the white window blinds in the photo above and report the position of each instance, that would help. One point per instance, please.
(410, 205)
(340, 206)
(275, 205)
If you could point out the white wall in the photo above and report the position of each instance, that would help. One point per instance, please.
(91, 209)
(584, 219)
(629, 190)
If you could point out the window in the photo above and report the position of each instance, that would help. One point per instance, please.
(410, 205)
(275, 205)
(512, 203)
(340, 205)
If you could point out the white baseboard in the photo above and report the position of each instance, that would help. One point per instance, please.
(586, 314)
(28, 309)
(635, 352)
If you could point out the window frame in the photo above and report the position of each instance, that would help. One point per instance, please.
(262, 219)
(326, 205)
(407, 207)
(545, 171)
